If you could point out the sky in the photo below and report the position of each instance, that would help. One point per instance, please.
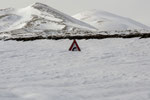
(134, 9)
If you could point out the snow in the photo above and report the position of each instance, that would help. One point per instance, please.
(105, 21)
(108, 69)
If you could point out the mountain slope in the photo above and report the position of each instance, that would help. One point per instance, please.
(106, 21)
(39, 18)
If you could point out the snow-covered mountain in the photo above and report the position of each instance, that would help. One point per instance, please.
(105, 21)
(39, 18)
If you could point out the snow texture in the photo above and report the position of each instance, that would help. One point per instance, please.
(108, 69)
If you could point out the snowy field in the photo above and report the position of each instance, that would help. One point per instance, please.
(108, 69)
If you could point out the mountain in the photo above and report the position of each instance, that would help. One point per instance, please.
(41, 21)
(39, 18)
(105, 21)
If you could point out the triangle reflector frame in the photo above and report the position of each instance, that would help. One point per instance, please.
(74, 46)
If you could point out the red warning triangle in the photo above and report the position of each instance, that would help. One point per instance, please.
(74, 46)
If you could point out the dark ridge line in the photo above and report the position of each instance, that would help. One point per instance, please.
(97, 36)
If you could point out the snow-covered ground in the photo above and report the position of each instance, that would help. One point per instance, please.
(108, 69)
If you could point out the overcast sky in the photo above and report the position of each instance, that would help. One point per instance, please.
(138, 10)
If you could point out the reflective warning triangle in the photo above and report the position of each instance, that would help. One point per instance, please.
(74, 46)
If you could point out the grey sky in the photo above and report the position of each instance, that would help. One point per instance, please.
(135, 9)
